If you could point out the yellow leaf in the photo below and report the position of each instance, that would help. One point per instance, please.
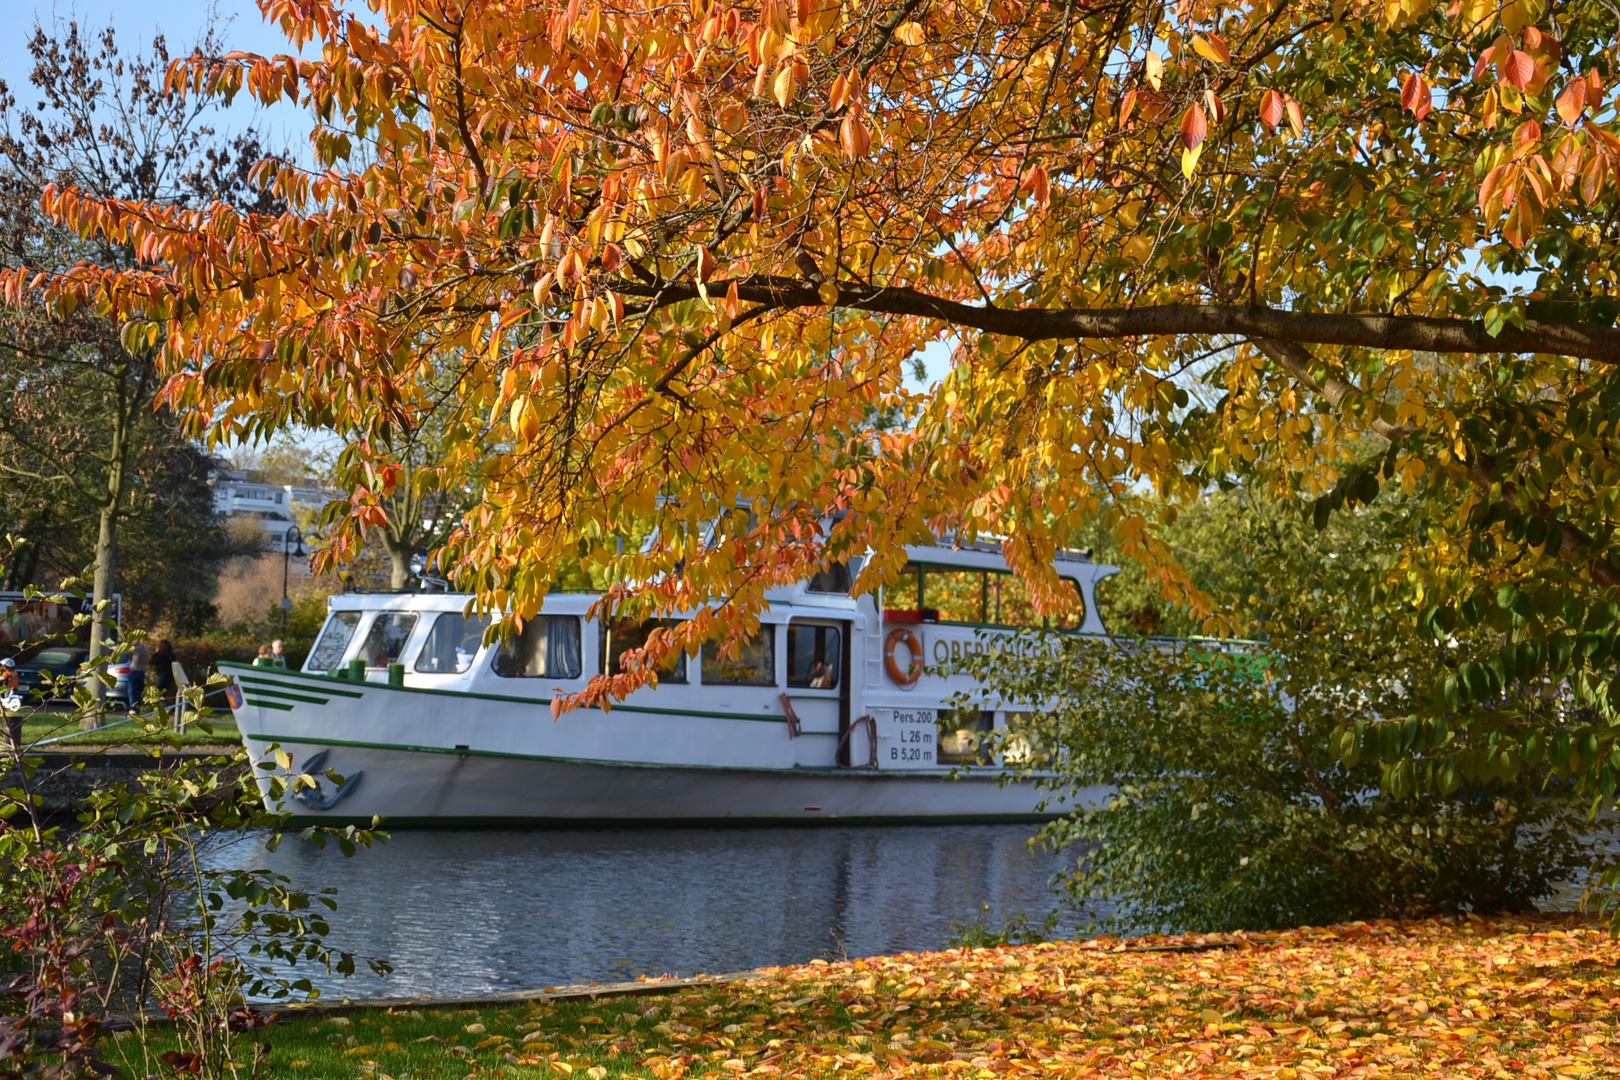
(784, 85)
(1189, 160)
(828, 292)
(1153, 66)
(1212, 48)
(911, 33)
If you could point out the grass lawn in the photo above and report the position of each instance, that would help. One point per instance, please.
(1516, 997)
(49, 725)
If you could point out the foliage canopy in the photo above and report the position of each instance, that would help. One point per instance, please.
(651, 263)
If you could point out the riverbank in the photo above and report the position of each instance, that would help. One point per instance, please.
(62, 729)
(69, 773)
(1537, 997)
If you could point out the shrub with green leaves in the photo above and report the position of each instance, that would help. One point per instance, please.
(128, 911)
(1291, 781)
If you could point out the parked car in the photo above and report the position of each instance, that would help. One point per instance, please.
(64, 661)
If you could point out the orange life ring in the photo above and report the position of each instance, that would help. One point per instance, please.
(914, 670)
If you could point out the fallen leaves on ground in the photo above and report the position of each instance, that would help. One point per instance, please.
(1536, 997)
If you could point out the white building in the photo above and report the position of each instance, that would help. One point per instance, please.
(241, 493)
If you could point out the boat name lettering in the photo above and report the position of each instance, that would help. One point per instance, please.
(954, 652)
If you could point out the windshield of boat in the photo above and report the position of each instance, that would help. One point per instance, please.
(452, 643)
(333, 642)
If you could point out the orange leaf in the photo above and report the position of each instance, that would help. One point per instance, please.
(1127, 105)
(839, 94)
(1036, 183)
(1193, 126)
(1572, 102)
(1271, 108)
(1296, 115)
(854, 137)
(1518, 69)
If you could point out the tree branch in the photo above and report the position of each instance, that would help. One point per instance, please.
(1584, 340)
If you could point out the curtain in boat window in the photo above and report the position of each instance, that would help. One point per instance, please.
(562, 647)
(548, 648)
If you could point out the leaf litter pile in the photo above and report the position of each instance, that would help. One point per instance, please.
(1536, 997)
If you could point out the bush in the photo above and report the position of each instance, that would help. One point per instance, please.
(124, 912)
(1264, 787)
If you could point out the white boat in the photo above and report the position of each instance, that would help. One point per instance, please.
(839, 710)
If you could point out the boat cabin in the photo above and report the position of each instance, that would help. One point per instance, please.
(822, 660)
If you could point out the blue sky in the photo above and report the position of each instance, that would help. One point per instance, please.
(136, 21)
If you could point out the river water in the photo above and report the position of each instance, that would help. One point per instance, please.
(472, 912)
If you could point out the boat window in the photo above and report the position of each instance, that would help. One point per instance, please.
(962, 736)
(387, 637)
(815, 654)
(333, 641)
(1009, 603)
(754, 665)
(958, 595)
(451, 644)
(835, 579)
(547, 648)
(618, 640)
(986, 597)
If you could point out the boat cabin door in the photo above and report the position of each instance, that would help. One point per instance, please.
(818, 676)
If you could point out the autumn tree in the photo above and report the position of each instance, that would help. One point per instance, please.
(80, 388)
(679, 255)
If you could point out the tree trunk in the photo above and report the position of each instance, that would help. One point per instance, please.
(399, 564)
(107, 542)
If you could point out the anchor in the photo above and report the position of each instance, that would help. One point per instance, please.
(314, 797)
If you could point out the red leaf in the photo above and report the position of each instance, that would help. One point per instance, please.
(1415, 96)
(1193, 127)
(1271, 108)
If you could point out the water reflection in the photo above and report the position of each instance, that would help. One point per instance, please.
(469, 912)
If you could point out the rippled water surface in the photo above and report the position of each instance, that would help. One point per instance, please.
(469, 912)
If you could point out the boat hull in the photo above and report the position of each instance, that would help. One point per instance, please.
(410, 787)
(415, 757)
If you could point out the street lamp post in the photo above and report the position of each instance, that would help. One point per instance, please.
(288, 539)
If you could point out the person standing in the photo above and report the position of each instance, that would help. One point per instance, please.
(139, 657)
(163, 669)
(264, 659)
(278, 652)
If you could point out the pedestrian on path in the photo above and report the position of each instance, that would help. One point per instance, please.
(278, 652)
(163, 669)
(139, 657)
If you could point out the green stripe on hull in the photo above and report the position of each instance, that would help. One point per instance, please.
(282, 706)
(265, 691)
(807, 820)
(322, 684)
(803, 770)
